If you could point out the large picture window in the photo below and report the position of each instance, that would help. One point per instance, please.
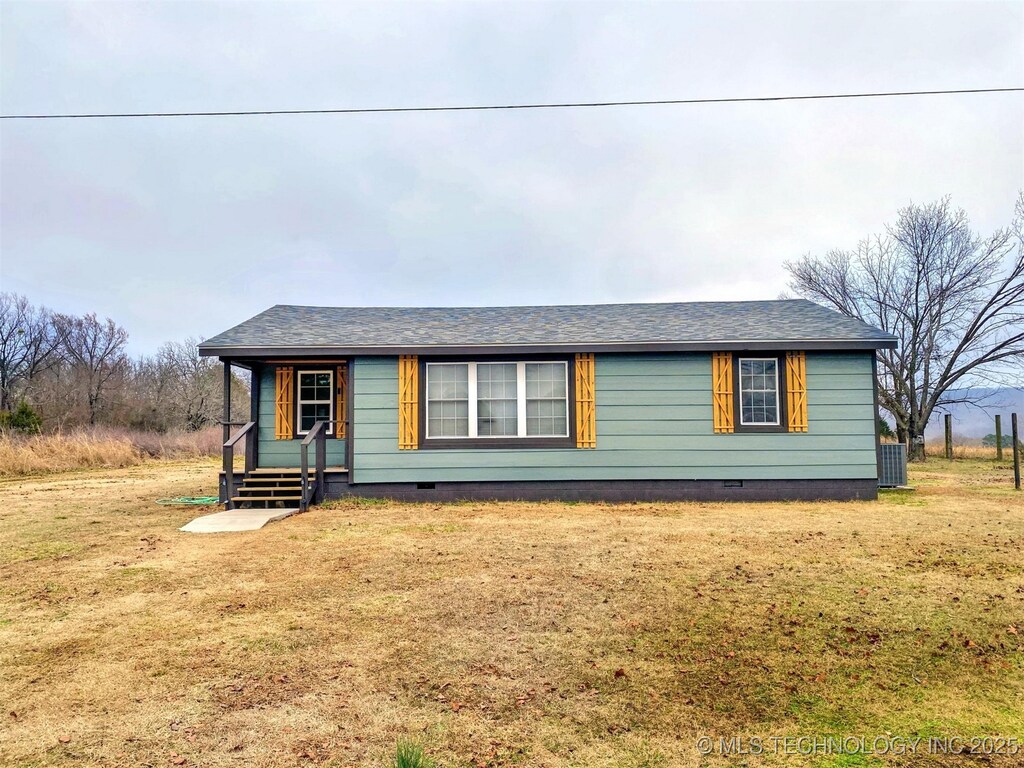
(497, 400)
(316, 398)
(759, 391)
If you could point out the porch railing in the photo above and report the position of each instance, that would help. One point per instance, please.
(249, 433)
(315, 491)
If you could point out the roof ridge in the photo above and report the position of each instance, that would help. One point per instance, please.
(421, 307)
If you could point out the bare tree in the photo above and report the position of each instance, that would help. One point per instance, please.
(192, 384)
(95, 351)
(954, 299)
(28, 344)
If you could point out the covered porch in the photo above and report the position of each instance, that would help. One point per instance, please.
(295, 447)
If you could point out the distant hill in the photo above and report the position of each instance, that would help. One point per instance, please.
(977, 421)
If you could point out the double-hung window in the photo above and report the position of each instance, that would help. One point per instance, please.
(497, 400)
(759, 391)
(316, 398)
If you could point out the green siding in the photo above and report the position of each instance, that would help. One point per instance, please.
(653, 423)
(285, 453)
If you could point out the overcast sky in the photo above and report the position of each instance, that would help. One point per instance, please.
(179, 227)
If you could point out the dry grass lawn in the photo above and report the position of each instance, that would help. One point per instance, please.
(504, 634)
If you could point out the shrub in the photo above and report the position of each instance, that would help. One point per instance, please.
(884, 430)
(22, 419)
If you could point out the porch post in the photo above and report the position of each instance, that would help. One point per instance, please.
(252, 455)
(227, 398)
(228, 452)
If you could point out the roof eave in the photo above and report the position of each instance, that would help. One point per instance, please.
(261, 351)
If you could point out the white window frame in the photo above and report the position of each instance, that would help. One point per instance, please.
(299, 402)
(474, 397)
(740, 390)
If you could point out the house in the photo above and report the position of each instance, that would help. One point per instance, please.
(710, 400)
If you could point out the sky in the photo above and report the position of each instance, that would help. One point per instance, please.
(184, 227)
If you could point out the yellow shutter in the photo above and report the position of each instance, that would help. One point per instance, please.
(284, 399)
(721, 382)
(341, 408)
(408, 402)
(586, 413)
(796, 390)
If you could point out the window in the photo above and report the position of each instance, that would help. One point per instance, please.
(448, 400)
(759, 391)
(547, 411)
(497, 400)
(316, 398)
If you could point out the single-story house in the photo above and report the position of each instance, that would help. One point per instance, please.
(708, 400)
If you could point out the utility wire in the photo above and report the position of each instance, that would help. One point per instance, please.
(487, 107)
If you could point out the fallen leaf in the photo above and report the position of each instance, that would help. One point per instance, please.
(63, 739)
(620, 672)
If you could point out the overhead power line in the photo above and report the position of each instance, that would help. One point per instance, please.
(488, 107)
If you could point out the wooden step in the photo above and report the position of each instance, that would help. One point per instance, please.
(291, 470)
(268, 480)
(266, 499)
(275, 492)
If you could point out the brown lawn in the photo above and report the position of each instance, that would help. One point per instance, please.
(504, 634)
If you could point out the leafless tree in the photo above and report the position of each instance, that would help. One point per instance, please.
(954, 299)
(192, 385)
(28, 344)
(95, 352)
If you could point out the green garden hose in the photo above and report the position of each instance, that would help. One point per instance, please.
(199, 501)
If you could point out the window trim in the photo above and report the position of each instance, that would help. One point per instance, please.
(500, 441)
(780, 362)
(299, 402)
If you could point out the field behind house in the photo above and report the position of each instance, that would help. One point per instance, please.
(100, 447)
(504, 634)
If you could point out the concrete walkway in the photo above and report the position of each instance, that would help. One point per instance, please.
(236, 520)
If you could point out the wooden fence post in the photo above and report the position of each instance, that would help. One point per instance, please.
(949, 435)
(1016, 451)
(999, 437)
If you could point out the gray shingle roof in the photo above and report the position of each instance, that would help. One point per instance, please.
(720, 325)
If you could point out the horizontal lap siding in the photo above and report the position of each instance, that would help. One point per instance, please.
(285, 453)
(654, 422)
